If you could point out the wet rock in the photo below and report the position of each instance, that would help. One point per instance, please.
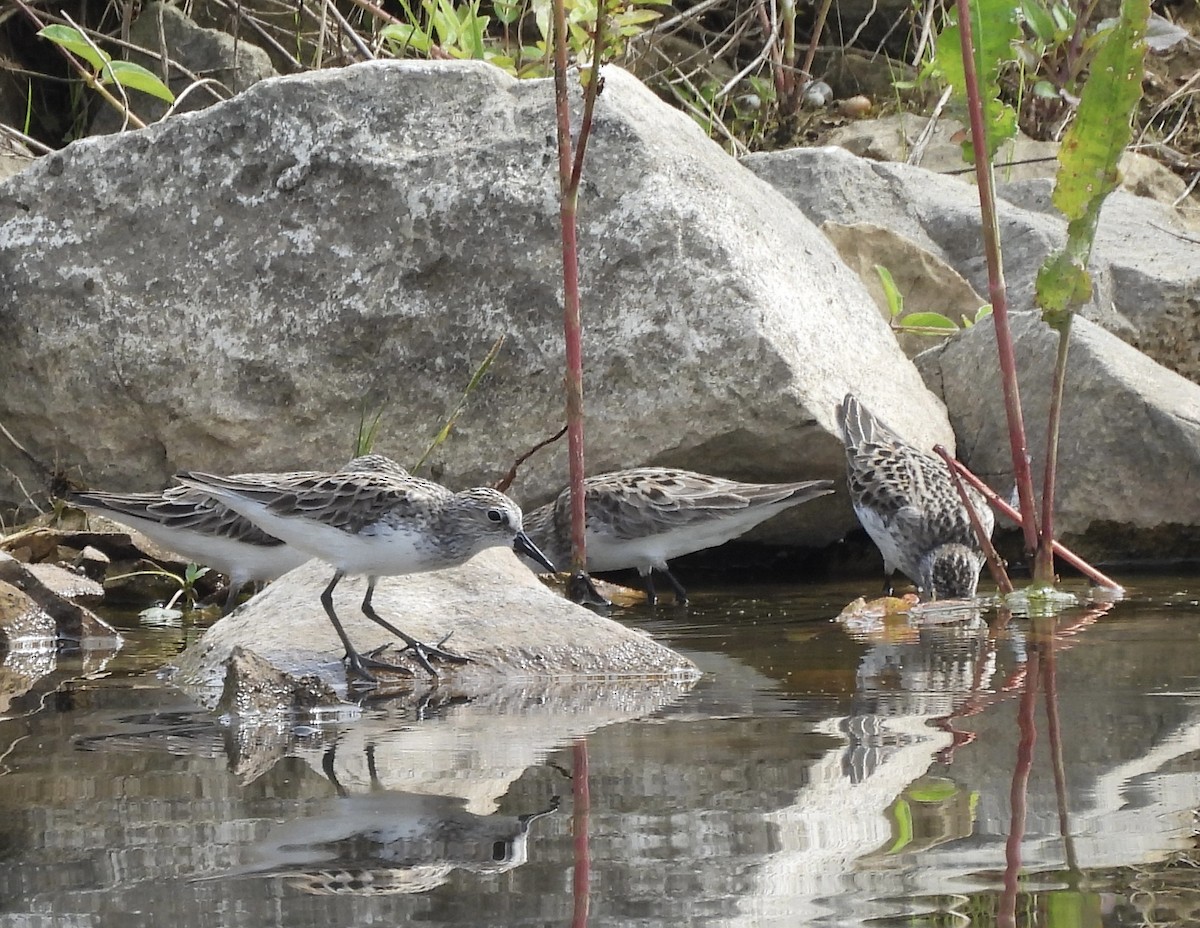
(1143, 265)
(1130, 445)
(21, 617)
(511, 627)
(253, 687)
(67, 584)
(723, 328)
(92, 562)
(67, 618)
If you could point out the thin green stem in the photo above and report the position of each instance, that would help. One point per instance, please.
(1043, 566)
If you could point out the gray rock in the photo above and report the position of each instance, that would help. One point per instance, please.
(1130, 445)
(55, 614)
(207, 53)
(1145, 265)
(229, 289)
(895, 138)
(511, 627)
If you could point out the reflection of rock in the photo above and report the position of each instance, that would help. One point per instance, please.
(513, 629)
(391, 842)
(476, 748)
(35, 610)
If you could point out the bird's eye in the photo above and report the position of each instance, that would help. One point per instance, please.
(495, 515)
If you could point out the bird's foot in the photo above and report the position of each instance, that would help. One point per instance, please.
(581, 589)
(361, 665)
(424, 653)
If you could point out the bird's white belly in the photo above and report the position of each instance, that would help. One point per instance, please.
(382, 551)
(894, 556)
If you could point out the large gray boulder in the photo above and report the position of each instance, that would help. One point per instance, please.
(1145, 264)
(1130, 446)
(230, 289)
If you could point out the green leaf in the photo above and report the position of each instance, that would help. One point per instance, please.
(895, 299)
(1089, 156)
(406, 35)
(135, 77)
(635, 17)
(73, 41)
(1097, 137)
(994, 28)
(1038, 19)
(903, 819)
(928, 321)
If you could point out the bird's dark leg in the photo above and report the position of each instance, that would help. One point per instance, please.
(355, 663)
(231, 598)
(888, 588)
(681, 598)
(421, 651)
(648, 583)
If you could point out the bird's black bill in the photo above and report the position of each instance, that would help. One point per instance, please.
(522, 545)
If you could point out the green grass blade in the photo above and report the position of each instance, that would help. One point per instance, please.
(476, 378)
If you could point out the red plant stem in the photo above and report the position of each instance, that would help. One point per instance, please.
(1054, 735)
(995, 564)
(1006, 917)
(997, 289)
(1061, 550)
(581, 874)
(590, 93)
(1043, 567)
(572, 325)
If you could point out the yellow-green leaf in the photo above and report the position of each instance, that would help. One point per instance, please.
(73, 41)
(406, 35)
(928, 321)
(135, 77)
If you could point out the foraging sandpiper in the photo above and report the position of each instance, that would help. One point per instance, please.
(908, 504)
(643, 517)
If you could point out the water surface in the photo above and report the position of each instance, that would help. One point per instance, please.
(818, 773)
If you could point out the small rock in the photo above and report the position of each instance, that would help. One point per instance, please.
(67, 584)
(93, 562)
(69, 619)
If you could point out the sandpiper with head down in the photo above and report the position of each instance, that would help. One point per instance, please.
(907, 502)
(642, 518)
(377, 524)
(199, 528)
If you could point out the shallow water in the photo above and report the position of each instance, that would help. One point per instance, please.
(816, 774)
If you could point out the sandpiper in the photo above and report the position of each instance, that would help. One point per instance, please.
(907, 502)
(644, 517)
(204, 531)
(377, 524)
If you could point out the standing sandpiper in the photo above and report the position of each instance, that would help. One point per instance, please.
(202, 530)
(377, 524)
(907, 502)
(644, 517)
